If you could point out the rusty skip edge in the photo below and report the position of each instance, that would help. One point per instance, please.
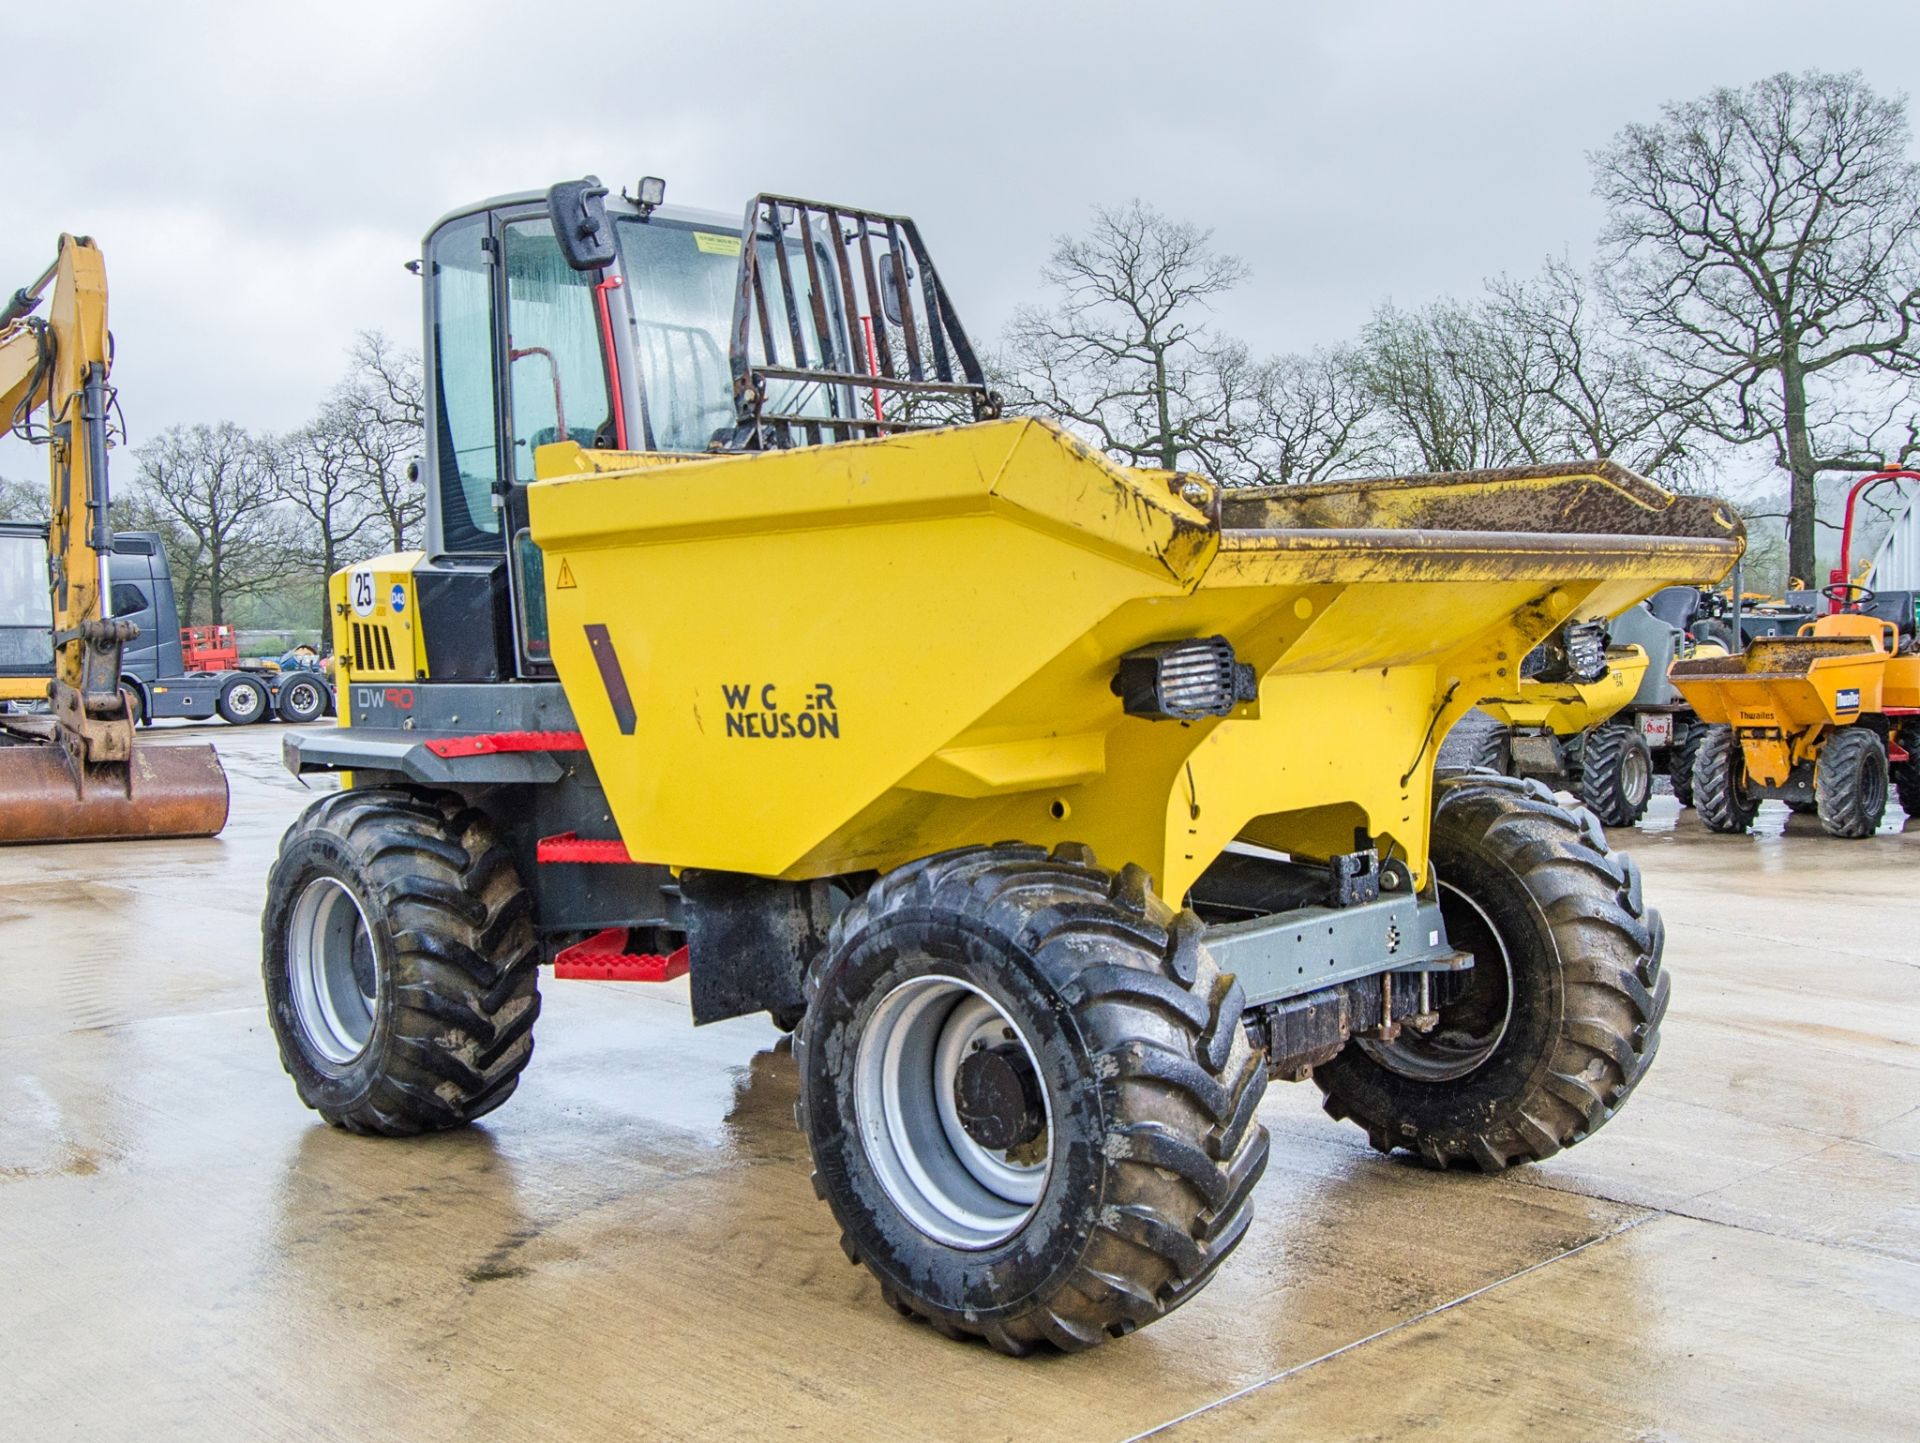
(1577, 498)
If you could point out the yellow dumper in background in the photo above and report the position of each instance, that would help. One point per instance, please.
(1824, 719)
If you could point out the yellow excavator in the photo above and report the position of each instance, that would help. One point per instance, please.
(73, 773)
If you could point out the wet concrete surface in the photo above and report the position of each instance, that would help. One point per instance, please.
(631, 1249)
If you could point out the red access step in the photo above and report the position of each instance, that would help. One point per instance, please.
(572, 847)
(604, 958)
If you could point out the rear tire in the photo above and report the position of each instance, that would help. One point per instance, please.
(1477, 740)
(1680, 764)
(1720, 784)
(302, 699)
(1616, 775)
(399, 960)
(1850, 783)
(1561, 1016)
(243, 700)
(1131, 1037)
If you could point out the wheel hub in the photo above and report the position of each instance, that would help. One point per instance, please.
(947, 1094)
(997, 1095)
(330, 961)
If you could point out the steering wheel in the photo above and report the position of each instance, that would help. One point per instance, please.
(1847, 593)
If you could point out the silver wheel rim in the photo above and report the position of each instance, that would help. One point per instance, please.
(1636, 776)
(244, 700)
(1441, 1055)
(331, 968)
(305, 697)
(949, 1186)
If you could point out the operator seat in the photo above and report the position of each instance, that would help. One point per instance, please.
(1675, 605)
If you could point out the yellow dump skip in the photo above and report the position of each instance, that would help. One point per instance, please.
(809, 662)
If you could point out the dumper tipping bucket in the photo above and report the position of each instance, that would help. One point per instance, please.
(164, 791)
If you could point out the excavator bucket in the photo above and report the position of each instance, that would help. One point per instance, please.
(163, 791)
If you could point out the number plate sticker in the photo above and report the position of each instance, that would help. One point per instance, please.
(1656, 730)
(360, 591)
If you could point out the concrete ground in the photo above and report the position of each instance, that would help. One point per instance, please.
(630, 1249)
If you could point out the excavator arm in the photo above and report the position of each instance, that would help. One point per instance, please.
(76, 775)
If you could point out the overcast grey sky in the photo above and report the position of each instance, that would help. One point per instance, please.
(257, 173)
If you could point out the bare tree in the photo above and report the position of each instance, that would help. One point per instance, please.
(217, 488)
(319, 470)
(1593, 392)
(1766, 241)
(1307, 418)
(24, 501)
(380, 409)
(1127, 356)
(1454, 391)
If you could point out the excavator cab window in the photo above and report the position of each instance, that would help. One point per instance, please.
(26, 615)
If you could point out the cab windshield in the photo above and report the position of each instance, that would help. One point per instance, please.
(683, 279)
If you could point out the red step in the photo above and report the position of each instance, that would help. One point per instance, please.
(572, 847)
(604, 958)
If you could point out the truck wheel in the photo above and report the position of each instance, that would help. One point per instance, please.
(1850, 782)
(1720, 782)
(1616, 775)
(1029, 1096)
(302, 700)
(1560, 1016)
(1680, 764)
(1477, 740)
(400, 964)
(243, 700)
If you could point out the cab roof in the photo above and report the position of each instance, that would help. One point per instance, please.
(616, 205)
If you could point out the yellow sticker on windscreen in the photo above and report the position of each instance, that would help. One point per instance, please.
(717, 245)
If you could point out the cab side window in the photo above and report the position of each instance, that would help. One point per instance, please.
(466, 447)
(556, 370)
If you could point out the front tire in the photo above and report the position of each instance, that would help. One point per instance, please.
(1616, 775)
(399, 960)
(1129, 1087)
(1561, 1014)
(1850, 783)
(1720, 782)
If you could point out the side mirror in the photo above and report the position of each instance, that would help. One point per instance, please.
(892, 303)
(578, 209)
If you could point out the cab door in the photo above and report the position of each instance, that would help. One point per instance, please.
(555, 354)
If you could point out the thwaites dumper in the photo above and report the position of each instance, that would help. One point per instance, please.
(1822, 718)
(1053, 805)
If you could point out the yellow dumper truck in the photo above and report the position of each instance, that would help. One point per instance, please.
(1053, 804)
(1825, 718)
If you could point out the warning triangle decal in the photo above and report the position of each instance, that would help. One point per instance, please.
(564, 581)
